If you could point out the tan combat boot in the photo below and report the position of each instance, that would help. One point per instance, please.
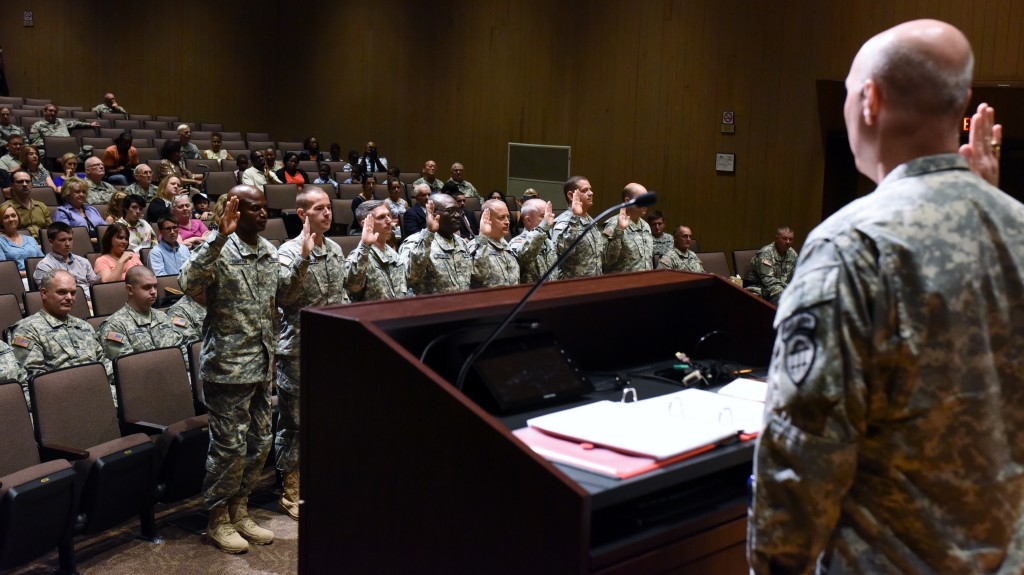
(222, 533)
(290, 497)
(246, 527)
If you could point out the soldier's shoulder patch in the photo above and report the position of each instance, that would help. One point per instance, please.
(767, 262)
(115, 337)
(801, 346)
(22, 341)
(179, 321)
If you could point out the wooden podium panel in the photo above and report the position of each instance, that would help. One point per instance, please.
(401, 473)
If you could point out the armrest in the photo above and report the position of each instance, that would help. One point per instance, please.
(51, 451)
(146, 427)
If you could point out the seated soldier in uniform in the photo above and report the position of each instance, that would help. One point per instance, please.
(137, 326)
(771, 268)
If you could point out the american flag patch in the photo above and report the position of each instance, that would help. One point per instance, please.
(114, 336)
(22, 341)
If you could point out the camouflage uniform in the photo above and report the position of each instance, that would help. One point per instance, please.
(374, 274)
(187, 317)
(9, 163)
(240, 333)
(148, 194)
(44, 343)
(9, 130)
(677, 260)
(59, 127)
(770, 273)
(895, 418)
(535, 252)
(662, 245)
(99, 194)
(323, 285)
(586, 259)
(435, 187)
(105, 109)
(434, 264)
(629, 250)
(494, 263)
(127, 331)
(11, 369)
(466, 188)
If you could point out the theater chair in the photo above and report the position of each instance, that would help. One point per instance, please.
(37, 500)
(154, 397)
(75, 418)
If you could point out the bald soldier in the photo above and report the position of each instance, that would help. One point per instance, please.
(494, 263)
(895, 417)
(137, 326)
(533, 248)
(630, 248)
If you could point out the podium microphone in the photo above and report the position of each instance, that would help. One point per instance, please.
(643, 200)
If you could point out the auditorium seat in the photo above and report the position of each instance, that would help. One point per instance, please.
(109, 134)
(38, 102)
(348, 191)
(741, 261)
(144, 133)
(207, 165)
(57, 146)
(147, 154)
(108, 297)
(209, 127)
(10, 311)
(98, 143)
(218, 183)
(343, 216)
(275, 229)
(30, 267)
(12, 101)
(280, 196)
(714, 263)
(155, 125)
(126, 125)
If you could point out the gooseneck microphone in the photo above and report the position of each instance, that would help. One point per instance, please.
(643, 200)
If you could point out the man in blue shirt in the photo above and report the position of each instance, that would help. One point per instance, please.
(169, 254)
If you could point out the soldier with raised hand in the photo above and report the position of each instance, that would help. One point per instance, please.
(137, 326)
(533, 249)
(680, 257)
(895, 416)
(437, 259)
(323, 285)
(236, 272)
(771, 268)
(494, 263)
(631, 247)
(375, 270)
(588, 258)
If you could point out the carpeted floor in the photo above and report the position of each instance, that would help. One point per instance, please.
(119, 552)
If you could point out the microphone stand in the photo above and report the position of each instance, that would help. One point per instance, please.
(642, 200)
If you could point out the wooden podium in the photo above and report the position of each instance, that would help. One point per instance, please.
(402, 474)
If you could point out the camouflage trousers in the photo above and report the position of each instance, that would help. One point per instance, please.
(286, 442)
(239, 438)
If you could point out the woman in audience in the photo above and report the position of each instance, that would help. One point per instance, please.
(115, 207)
(69, 163)
(169, 188)
(242, 164)
(117, 259)
(173, 165)
(311, 151)
(30, 163)
(364, 194)
(495, 195)
(215, 152)
(13, 244)
(290, 173)
(396, 205)
(75, 212)
(217, 212)
(191, 232)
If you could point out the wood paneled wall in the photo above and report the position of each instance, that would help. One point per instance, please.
(637, 89)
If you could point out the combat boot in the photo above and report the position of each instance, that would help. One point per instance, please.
(290, 497)
(223, 534)
(246, 527)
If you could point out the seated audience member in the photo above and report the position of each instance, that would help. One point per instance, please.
(137, 326)
(117, 259)
(217, 212)
(290, 173)
(680, 257)
(771, 268)
(469, 227)
(353, 161)
(109, 106)
(169, 254)
(75, 211)
(311, 151)
(140, 233)
(458, 178)
(52, 338)
(187, 317)
(533, 248)
(191, 231)
(216, 152)
(259, 174)
(51, 125)
(99, 190)
(241, 165)
(416, 215)
(34, 214)
(437, 259)
(365, 194)
(11, 160)
(69, 167)
(629, 248)
(356, 176)
(173, 164)
(528, 194)
(30, 163)
(663, 242)
(428, 176)
(371, 160)
(334, 154)
(201, 207)
(189, 151)
(120, 159)
(62, 258)
(143, 185)
(14, 245)
(170, 187)
(324, 171)
(396, 204)
(494, 263)
(270, 157)
(115, 207)
(375, 270)
(9, 128)
(496, 195)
